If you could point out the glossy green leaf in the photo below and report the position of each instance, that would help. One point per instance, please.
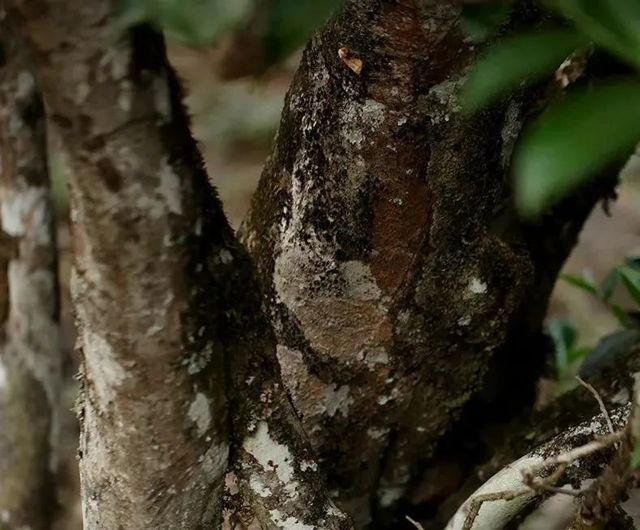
(481, 20)
(613, 24)
(581, 283)
(572, 141)
(524, 57)
(631, 279)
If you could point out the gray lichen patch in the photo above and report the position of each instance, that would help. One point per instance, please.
(273, 457)
(103, 366)
(200, 413)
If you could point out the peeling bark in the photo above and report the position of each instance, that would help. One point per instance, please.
(397, 274)
(30, 354)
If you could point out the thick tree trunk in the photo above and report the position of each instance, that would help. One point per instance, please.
(30, 356)
(397, 274)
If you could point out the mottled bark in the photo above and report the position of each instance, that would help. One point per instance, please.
(279, 481)
(154, 443)
(30, 356)
(163, 292)
(397, 273)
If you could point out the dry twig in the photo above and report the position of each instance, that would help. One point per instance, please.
(603, 409)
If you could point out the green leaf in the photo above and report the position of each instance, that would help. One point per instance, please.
(613, 24)
(635, 458)
(577, 354)
(609, 285)
(621, 315)
(572, 141)
(631, 280)
(481, 20)
(564, 337)
(291, 22)
(524, 57)
(633, 262)
(580, 282)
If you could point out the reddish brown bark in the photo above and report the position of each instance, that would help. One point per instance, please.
(397, 273)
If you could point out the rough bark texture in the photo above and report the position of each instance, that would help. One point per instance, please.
(30, 356)
(154, 443)
(395, 268)
(274, 476)
(163, 293)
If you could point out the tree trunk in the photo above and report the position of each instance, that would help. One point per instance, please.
(30, 356)
(164, 296)
(400, 283)
(154, 442)
(397, 273)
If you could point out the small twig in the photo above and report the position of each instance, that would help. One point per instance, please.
(549, 484)
(414, 523)
(600, 403)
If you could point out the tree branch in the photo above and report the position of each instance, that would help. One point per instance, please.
(397, 272)
(604, 496)
(505, 495)
(154, 442)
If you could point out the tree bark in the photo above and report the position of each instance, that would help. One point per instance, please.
(154, 442)
(30, 354)
(400, 283)
(164, 296)
(397, 273)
